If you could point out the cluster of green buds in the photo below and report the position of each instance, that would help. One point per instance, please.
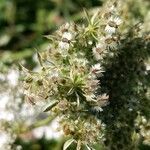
(68, 79)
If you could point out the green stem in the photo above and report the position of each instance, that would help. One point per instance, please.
(42, 122)
(38, 124)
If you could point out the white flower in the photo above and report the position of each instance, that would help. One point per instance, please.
(90, 42)
(93, 83)
(96, 69)
(90, 97)
(99, 49)
(67, 25)
(112, 24)
(67, 35)
(63, 45)
(100, 45)
(98, 109)
(96, 54)
(110, 30)
(112, 9)
(117, 20)
(110, 41)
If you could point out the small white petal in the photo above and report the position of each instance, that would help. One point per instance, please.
(110, 29)
(117, 20)
(98, 109)
(96, 54)
(90, 42)
(67, 36)
(99, 45)
(96, 69)
(63, 45)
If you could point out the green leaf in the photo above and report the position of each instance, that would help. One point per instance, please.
(51, 37)
(24, 69)
(76, 78)
(40, 58)
(78, 145)
(71, 91)
(51, 106)
(68, 143)
(88, 147)
(78, 99)
(87, 15)
(94, 17)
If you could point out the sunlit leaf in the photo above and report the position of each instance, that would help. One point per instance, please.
(87, 16)
(40, 59)
(70, 92)
(51, 106)
(24, 69)
(68, 143)
(94, 17)
(88, 147)
(78, 99)
(78, 145)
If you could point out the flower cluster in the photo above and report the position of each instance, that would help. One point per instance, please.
(67, 82)
(107, 40)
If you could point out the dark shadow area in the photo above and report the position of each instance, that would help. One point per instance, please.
(126, 81)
